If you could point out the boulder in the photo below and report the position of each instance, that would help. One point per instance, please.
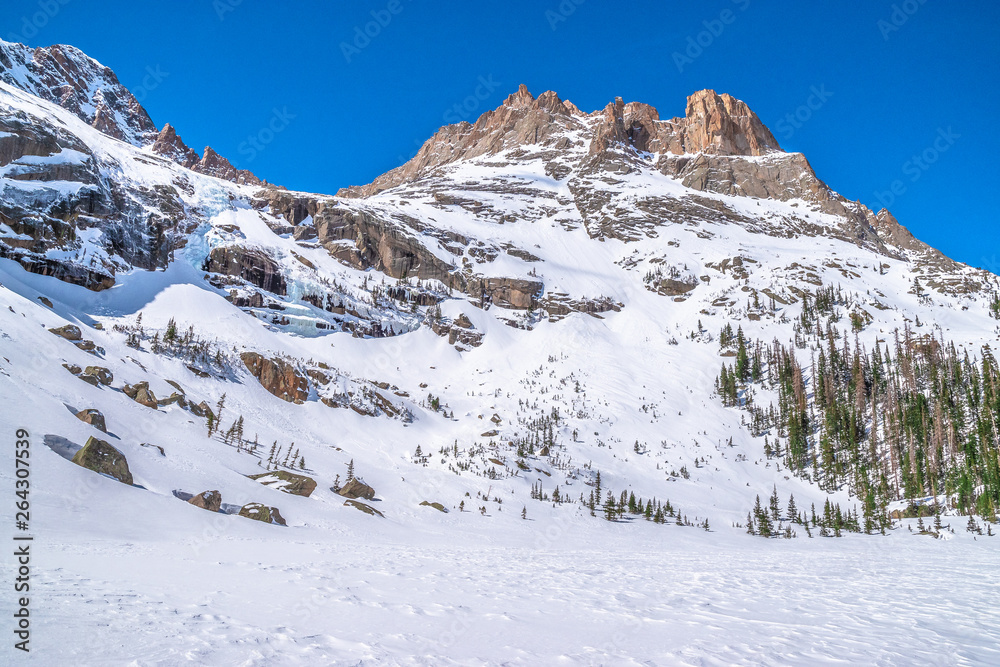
(277, 376)
(261, 512)
(101, 457)
(355, 488)
(90, 379)
(94, 418)
(140, 393)
(201, 409)
(367, 509)
(69, 332)
(73, 368)
(173, 398)
(90, 346)
(289, 482)
(103, 375)
(208, 500)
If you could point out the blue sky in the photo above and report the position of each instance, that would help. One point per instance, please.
(880, 96)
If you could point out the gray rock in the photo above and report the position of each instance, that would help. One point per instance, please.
(103, 375)
(355, 488)
(101, 457)
(208, 500)
(69, 332)
(94, 418)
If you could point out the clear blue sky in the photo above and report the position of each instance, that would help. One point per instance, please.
(897, 89)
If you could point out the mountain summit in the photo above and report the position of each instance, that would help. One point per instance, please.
(713, 124)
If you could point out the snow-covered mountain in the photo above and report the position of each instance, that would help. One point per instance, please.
(535, 311)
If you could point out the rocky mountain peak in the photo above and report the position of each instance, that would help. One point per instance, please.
(171, 146)
(713, 124)
(519, 99)
(724, 125)
(66, 76)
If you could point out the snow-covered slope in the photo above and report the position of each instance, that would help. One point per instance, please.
(479, 330)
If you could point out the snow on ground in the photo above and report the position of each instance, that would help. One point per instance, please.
(177, 595)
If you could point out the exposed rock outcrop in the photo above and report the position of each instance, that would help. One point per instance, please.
(70, 332)
(289, 482)
(104, 376)
(101, 457)
(250, 264)
(515, 293)
(355, 488)
(207, 500)
(361, 238)
(277, 376)
(141, 394)
(93, 417)
(367, 509)
(261, 512)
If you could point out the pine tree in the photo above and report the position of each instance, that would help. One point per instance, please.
(609, 507)
(218, 408)
(350, 470)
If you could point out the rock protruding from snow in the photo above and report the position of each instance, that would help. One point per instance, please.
(261, 512)
(355, 488)
(104, 375)
(101, 457)
(207, 500)
(367, 509)
(289, 482)
(277, 376)
(141, 394)
(70, 332)
(93, 417)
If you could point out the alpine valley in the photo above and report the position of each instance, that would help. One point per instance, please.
(565, 388)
